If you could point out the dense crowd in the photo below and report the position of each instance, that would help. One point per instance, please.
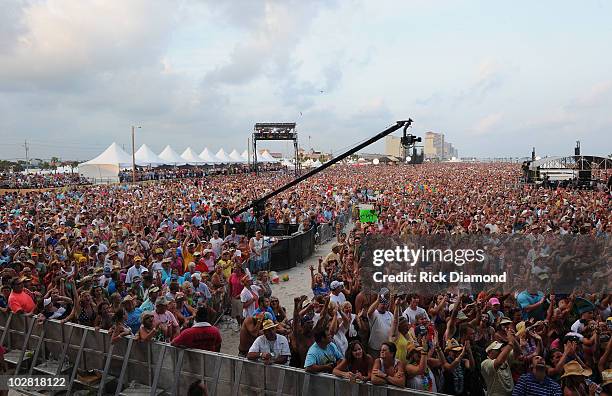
(164, 261)
(189, 172)
(36, 181)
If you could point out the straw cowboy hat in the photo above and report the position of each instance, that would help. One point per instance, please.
(606, 377)
(574, 368)
(453, 345)
(268, 324)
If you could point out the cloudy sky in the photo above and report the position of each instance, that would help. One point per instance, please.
(496, 77)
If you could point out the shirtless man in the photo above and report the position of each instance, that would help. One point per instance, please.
(302, 336)
(249, 331)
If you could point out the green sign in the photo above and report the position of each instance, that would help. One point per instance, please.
(367, 216)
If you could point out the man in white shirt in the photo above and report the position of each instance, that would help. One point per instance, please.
(101, 246)
(380, 325)
(134, 270)
(200, 289)
(336, 295)
(248, 296)
(270, 347)
(216, 243)
(586, 316)
(413, 310)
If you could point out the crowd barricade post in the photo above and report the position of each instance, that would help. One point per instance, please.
(154, 367)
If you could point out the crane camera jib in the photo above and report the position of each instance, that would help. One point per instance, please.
(403, 254)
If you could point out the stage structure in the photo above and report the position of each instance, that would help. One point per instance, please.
(579, 169)
(275, 131)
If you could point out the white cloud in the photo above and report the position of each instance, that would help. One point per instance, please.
(63, 41)
(488, 123)
(598, 95)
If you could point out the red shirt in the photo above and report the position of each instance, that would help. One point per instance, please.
(235, 285)
(201, 266)
(21, 302)
(201, 336)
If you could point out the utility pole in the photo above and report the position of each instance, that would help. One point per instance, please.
(133, 156)
(27, 149)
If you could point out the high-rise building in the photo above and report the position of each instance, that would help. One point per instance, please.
(393, 146)
(435, 147)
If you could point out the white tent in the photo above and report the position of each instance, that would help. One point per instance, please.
(235, 157)
(145, 157)
(170, 157)
(246, 157)
(191, 157)
(105, 167)
(266, 157)
(222, 156)
(208, 158)
(286, 162)
(307, 163)
(316, 164)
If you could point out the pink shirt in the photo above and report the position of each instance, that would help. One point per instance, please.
(235, 285)
(165, 318)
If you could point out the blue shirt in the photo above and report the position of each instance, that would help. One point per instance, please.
(147, 305)
(133, 320)
(112, 287)
(204, 290)
(526, 299)
(528, 385)
(321, 290)
(165, 275)
(197, 221)
(320, 357)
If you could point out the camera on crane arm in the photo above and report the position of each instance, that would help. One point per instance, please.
(408, 140)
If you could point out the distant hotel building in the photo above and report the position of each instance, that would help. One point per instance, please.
(393, 146)
(434, 147)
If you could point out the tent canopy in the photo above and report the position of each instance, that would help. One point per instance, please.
(190, 157)
(113, 155)
(170, 157)
(222, 156)
(266, 157)
(246, 157)
(208, 158)
(235, 157)
(105, 167)
(145, 156)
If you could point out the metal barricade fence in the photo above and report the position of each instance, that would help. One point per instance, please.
(138, 368)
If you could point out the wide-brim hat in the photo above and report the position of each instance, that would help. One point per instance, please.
(582, 305)
(494, 345)
(268, 324)
(574, 368)
(453, 345)
(606, 377)
(127, 298)
(520, 328)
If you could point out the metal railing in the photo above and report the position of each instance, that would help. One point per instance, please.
(152, 367)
